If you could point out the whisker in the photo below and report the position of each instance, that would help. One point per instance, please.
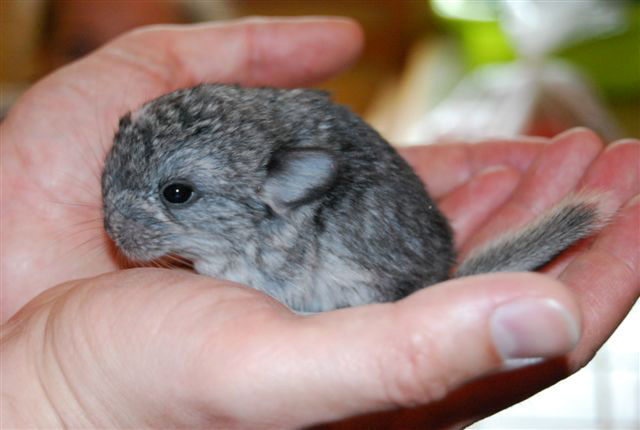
(96, 250)
(62, 235)
(81, 232)
(180, 262)
(80, 245)
(98, 221)
(76, 204)
(91, 191)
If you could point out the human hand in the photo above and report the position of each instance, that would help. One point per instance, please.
(54, 140)
(517, 182)
(236, 356)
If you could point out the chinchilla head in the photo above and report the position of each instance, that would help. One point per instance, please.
(202, 171)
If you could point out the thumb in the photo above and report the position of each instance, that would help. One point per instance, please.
(418, 350)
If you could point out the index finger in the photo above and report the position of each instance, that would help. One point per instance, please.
(149, 62)
(254, 51)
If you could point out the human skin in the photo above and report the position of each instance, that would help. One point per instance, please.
(87, 344)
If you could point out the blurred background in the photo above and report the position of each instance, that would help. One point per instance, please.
(431, 71)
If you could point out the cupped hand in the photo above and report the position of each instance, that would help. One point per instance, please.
(151, 347)
(55, 139)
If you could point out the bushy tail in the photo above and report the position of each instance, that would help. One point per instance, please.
(538, 243)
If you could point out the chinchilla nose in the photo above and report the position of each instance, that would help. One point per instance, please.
(112, 219)
(121, 215)
(134, 230)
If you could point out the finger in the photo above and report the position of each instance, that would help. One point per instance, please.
(260, 51)
(468, 207)
(615, 172)
(554, 173)
(152, 61)
(415, 351)
(446, 167)
(128, 332)
(606, 280)
(615, 176)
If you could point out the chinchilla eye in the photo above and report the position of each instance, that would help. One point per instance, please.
(178, 193)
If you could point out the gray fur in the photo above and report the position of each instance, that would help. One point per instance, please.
(294, 195)
(537, 243)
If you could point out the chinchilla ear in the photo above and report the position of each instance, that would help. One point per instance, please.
(298, 176)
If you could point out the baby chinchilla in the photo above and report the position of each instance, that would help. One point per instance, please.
(296, 196)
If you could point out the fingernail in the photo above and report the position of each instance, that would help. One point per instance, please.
(535, 327)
